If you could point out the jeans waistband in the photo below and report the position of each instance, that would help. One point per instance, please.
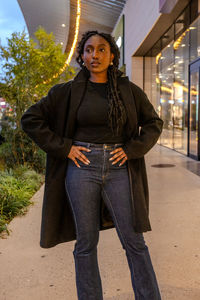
(97, 146)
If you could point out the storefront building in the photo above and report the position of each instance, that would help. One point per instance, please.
(166, 64)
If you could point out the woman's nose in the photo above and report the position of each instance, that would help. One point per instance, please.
(95, 53)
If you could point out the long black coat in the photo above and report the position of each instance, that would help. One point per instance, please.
(51, 124)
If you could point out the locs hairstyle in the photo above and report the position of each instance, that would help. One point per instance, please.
(117, 113)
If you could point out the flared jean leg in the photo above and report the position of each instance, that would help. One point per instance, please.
(88, 279)
(143, 277)
(116, 195)
(84, 197)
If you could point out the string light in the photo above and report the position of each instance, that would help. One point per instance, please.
(176, 44)
(78, 16)
(158, 57)
(179, 40)
(166, 89)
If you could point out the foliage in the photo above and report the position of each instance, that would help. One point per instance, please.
(17, 186)
(28, 69)
(19, 149)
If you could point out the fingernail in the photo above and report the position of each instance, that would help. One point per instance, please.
(89, 150)
(111, 152)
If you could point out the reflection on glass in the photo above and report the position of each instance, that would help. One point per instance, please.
(194, 39)
(166, 77)
(180, 85)
(194, 102)
(182, 22)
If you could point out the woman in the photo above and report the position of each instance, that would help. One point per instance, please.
(95, 174)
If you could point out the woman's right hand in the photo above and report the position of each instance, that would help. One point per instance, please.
(76, 153)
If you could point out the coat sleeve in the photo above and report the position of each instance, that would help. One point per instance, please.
(150, 126)
(36, 122)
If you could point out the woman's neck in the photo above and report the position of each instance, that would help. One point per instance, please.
(98, 77)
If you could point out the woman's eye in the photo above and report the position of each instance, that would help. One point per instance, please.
(88, 50)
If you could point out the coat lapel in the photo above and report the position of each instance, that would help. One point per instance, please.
(78, 88)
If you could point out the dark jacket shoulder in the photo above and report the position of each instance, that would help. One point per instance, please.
(60, 88)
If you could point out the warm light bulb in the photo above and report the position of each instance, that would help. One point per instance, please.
(78, 15)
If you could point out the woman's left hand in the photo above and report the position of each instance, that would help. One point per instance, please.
(120, 154)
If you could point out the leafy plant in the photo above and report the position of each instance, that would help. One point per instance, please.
(29, 69)
(17, 186)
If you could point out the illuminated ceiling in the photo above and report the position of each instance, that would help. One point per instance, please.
(95, 15)
(52, 15)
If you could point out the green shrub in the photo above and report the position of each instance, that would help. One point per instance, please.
(16, 189)
(19, 149)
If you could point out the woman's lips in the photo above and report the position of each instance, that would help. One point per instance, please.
(95, 64)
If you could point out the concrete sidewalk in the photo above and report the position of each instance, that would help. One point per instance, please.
(29, 272)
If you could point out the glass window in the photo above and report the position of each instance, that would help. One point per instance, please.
(166, 76)
(194, 40)
(194, 103)
(180, 86)
(166, 79)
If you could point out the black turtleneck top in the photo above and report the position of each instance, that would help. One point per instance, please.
(92, 117)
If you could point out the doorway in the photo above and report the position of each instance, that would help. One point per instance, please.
(194, 111)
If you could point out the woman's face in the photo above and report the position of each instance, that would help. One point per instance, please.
(97, 55)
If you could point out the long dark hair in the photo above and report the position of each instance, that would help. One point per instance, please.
(117, 113)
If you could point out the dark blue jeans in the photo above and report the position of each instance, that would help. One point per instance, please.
(85, 186)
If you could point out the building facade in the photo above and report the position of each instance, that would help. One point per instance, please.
(162, 55)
